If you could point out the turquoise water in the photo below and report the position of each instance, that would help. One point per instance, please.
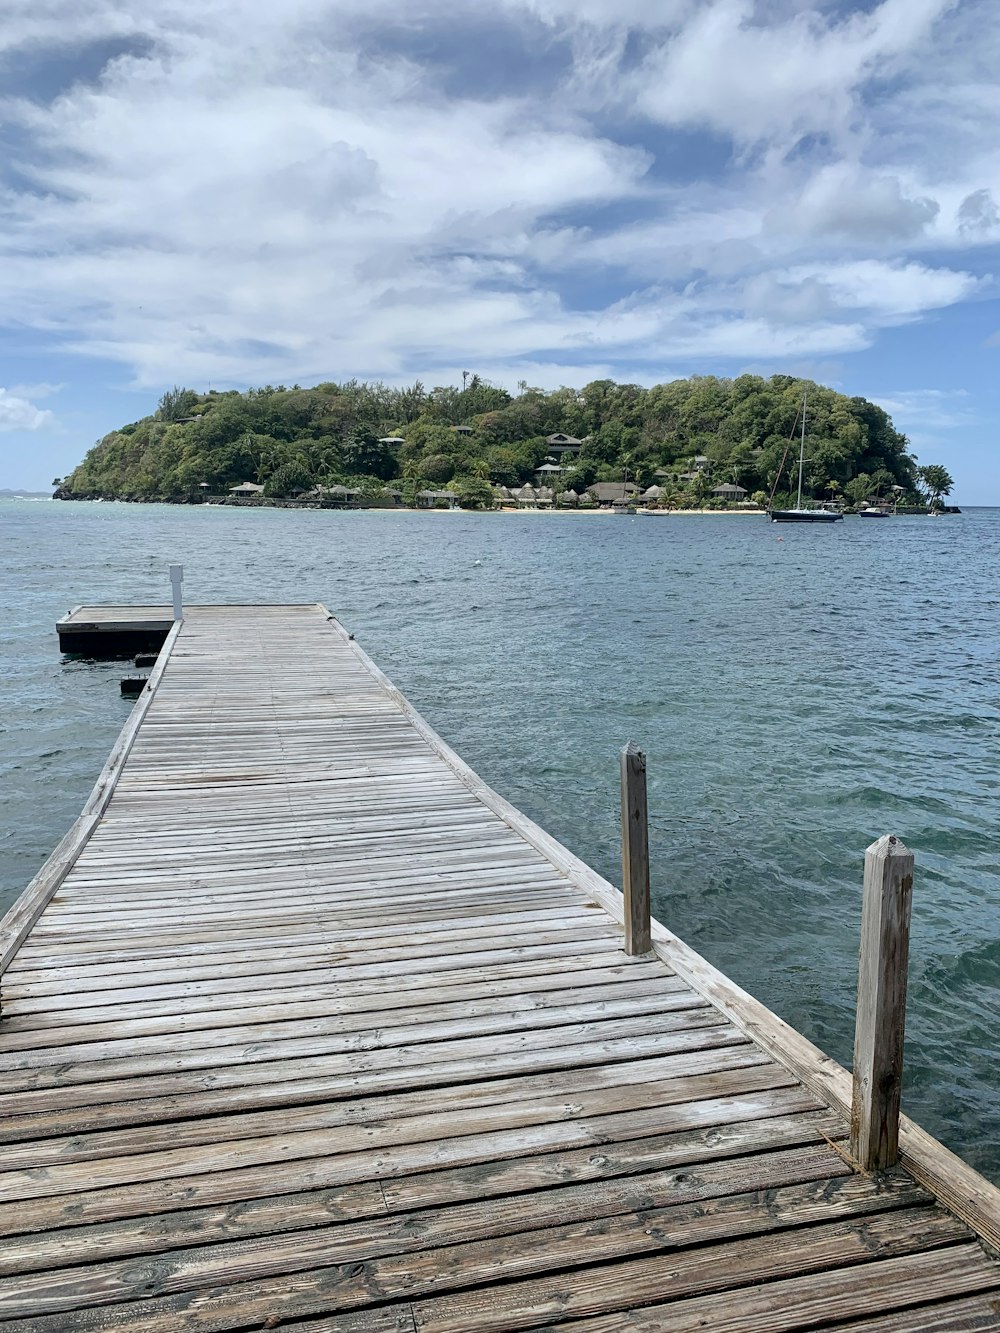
(798, 692)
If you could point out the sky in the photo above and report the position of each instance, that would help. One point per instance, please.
(226, 193)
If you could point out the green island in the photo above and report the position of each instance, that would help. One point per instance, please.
(698, 443)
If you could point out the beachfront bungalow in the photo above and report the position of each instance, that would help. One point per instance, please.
(605, 493)
(526, 497)
(436, 500)
(246, 488)
(652, 495)
(569, 498)
(338, 494)
(727, 491)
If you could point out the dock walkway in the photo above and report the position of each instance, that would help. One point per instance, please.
(304, 1027)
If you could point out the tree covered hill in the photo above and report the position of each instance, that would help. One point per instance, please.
(369, 435)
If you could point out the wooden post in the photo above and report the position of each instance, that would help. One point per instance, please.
(635, 851)
(878, 1038)
(176, 579)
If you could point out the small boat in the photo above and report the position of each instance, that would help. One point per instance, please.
(875, 511)
(798, 514)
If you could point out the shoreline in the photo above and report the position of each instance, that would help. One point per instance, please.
(610, 513)
(504, 509)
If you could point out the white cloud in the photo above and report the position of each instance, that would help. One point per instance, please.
(978, 213)
(18, 413)
(261, 193)
(788, 301)
(41, 390)
(890, 291)
(929, 409)
(761, 81)
(843, 201)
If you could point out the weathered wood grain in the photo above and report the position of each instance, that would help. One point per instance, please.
(635, 850)
(881, 1016)
(527, 1233)
(646, 1159)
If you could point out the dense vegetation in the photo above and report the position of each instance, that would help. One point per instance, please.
(290, 440)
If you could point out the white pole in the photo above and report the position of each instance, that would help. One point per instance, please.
(176, 579)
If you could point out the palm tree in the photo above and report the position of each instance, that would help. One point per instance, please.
(938, 481)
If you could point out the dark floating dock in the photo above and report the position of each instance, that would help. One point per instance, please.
(114, 631)
(303, 1026)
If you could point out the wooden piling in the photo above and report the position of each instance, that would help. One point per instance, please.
(176, 579)
(635, 851)
(878, 1040)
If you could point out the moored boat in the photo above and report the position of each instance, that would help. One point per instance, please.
(804, 516)
(798, 514)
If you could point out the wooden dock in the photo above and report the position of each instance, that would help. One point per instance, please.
(305, 1027)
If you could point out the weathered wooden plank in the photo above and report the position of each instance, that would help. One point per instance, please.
(350, 1073)
(701, 1270)
(285, 1084)
(521, 1302)
(319, 988)
(116, 968)
(687, 1053)
(235, 978)
(98, 1002)
(199, 1047)
(694, 1103)
(951, 1316)
(799, 1303)
(342, 1128)
(536, 1232)
(646, 1159)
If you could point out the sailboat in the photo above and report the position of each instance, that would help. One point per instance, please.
(798, 514)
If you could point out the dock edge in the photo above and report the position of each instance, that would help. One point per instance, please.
(18, 921)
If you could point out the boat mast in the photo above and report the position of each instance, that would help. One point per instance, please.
(802, 450)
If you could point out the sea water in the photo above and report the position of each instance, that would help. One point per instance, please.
(798, 690)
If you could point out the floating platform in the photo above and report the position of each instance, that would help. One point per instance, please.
(114, 631)
(304, 1026)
